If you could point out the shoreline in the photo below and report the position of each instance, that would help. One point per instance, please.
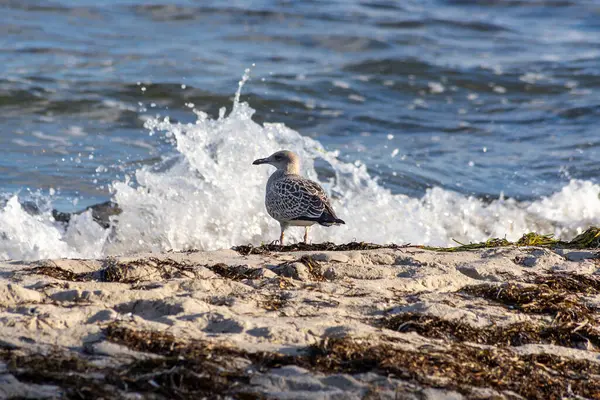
(347, 322)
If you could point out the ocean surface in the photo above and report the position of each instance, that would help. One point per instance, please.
(427, 121)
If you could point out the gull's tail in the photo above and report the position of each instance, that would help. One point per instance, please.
(328, 220)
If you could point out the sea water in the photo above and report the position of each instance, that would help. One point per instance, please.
(427, 122)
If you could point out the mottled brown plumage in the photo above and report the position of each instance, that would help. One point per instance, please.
(294, 200)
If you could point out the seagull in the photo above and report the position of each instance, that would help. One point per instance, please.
(294, 200)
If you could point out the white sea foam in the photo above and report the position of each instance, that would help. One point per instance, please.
(28, 236)
(208, 195)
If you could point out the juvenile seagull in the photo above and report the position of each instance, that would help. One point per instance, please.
(294, 200)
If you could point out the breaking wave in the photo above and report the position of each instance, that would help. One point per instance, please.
(208, 195)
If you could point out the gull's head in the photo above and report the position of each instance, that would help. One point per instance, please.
(284, 160)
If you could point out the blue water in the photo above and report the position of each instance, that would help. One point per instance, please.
(481, 98)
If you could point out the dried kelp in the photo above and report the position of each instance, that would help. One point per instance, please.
(181, 378)
(327, 246)
(314, 268)
(490, 243)
(273, 302)
(461, 367)
(73, 374)
(167, 268)
(189, 369)
(570, 282)
(120, 271)
(536, 299)
(236, 272)
(590, 239)
(55, 272)
(570, 334)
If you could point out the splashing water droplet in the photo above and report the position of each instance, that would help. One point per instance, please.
(241, 84)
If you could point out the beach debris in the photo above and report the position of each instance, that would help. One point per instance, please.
(563, 305)
(236, 272)
(187, 369)
(326, 246)
(570, 334)
(590, 239)
(274, 301)
(114, 270)
(303, 269)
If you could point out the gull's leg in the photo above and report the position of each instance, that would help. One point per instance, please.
(283, 226)
(306, 234)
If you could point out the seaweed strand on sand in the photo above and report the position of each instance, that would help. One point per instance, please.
(589, 239)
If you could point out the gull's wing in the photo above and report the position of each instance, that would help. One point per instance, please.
(297, 198)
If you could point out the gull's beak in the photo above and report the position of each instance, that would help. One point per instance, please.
(260, 161)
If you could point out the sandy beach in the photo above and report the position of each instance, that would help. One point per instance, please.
(353, 322)
(444, 155)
